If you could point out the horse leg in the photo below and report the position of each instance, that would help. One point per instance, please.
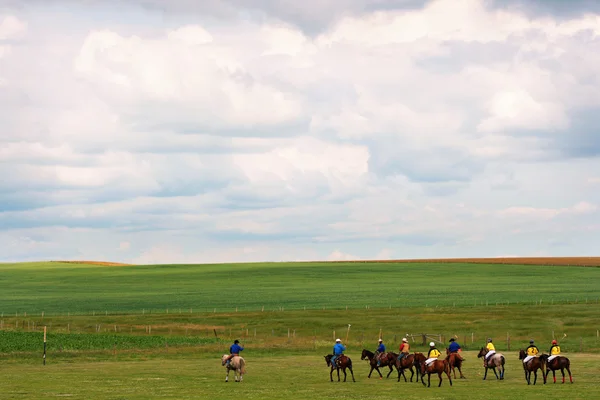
(344, 371)
(485, 374)
(338, 372)
(449, 378)
(534, 376)
(370, 372)
(352, 372)
(440, 376)
(391, 370)
(429, 379)
(563, 376)
(569, 371)
(412, 373)
(331, 374)
(227, 376)
(462, 375)
(422, 378)
(495, 373)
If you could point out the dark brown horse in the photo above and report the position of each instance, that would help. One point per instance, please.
(387, 360)
(342, 362)
(455, 362)
(435, 367)
(559, 362)
(406, 362)
(532, 366)
(496, 360)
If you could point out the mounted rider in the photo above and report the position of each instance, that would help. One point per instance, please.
(491, 351)
(380, 350)
(454, 347)
(338, 350)
(404, 349)
(532, 351)
(432, 355)
(234, 350)
(554, 350)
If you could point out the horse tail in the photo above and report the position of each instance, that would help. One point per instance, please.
(503, 360)
(242, 365)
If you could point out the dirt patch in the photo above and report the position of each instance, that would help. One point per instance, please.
(558, 261)
(105, 263)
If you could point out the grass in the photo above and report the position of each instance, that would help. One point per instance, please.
(87, 288)
(102, 345)
(274, 377)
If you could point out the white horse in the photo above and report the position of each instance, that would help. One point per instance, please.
(237, 364)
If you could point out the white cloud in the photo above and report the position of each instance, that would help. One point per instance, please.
(391, 133)
(337, 255)
(11, 27)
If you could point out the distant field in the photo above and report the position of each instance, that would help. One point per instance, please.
(87, 288)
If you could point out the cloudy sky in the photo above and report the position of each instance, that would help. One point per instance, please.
(153, 131)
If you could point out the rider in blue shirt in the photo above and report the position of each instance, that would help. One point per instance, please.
(234, 350)
(454, 347)
(338, 350)
(380, 349)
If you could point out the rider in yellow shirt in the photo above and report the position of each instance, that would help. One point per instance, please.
(554, 350)
(532, 351)
(433, 354)
(491, 351)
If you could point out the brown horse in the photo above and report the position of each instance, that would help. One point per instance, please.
(559, 362)
(342, 362)
(406, 362)
(387, 360)
(496, 360)
(455, 362)
(532, 366)
(437, 367)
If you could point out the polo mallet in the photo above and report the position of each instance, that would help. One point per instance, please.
(347, 333)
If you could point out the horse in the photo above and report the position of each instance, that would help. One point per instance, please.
(237, 364)
(387, 360)
(455, 362)
(436, 366)
(559, 362)
(406, 362)
(497, 360)
(532, 366)
(342, 362)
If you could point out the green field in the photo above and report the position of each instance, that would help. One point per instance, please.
(62, 287)
(157, 331)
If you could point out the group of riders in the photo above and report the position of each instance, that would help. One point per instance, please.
(432, 355)
(453, 348)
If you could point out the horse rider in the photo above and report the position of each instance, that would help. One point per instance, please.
(404, 349)
(433, 354)
(491, 351)
(532, 351)
(554, 350)
(380, 350)
(234, 350)
(454, 347)
(338, 350)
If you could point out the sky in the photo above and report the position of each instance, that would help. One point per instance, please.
(177, 131)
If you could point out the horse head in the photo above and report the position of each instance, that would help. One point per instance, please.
(328, 358)
(522, 354)
(224, 359)
(482, 352)
(365, 354)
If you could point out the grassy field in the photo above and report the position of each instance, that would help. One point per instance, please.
(86, 288)
(102, 345)
(181, 376)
